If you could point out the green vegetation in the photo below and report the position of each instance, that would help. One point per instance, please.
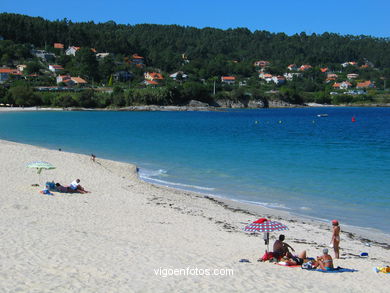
(203, 54)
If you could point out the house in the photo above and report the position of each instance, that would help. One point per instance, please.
(355, 92)
(150, 83)
(331, 77)
(261, 63)
(291, 75)
(72, 50)
(304, 67)
(55, 68)
(42, 54)
(278, 80)
(153, 76)
(69, 80)
(178, 75)
(137, 60)
(123, 76)
(292, 67)
(79, 81)
(21, 67)
(228, 79)
(266, 76)
(58, 46)
(349, 63)
(64, 78)
(324, 70)
(342, 86)
(102, 55)
(352, 75)
(365, 85)
(5, 74)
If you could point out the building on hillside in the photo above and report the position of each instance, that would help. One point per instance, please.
(154, 76)
(123, 76)
(348, 63)
(261, 63)
(279, 80)
(180, 75)
(137, 60)
(342, 85)
(150, 83)
(304, 67)
(72, 50)
(228, 79)
(21, 67)
(365, 85)
(352, 75)
(43, 55)
(5, 74)
(55, 68)
(291, 75)
(324, 69)
(355, 92)
(266, 76)
(70, 81)
(58, 46)
(78, 80)
(292, 67)
(102, 55)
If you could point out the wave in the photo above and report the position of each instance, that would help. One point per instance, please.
(147, 175)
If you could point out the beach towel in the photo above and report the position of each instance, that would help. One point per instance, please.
(284, 264)
(337, 270)
(385, 270)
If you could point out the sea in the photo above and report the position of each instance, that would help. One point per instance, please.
(332, 167)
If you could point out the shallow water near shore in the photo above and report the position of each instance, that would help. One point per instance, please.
(323, 167)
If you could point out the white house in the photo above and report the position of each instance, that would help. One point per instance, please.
(72, 50)
(176, 74)
(291, 75)
(55, 68)
(278, 80)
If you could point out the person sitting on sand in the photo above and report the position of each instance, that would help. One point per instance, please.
(76, 187)
(325, 262)
(336, 238)
(281, 248)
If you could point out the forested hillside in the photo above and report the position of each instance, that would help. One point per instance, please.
(162, 45)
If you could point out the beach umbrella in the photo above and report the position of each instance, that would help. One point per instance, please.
(39, 165)
(265, 226)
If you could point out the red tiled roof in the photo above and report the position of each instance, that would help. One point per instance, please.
(324, 69)
(78, 80)
(228, 78)
(10, 71)
(57, 66)
(366, 83)
(58, 46)
(151, 82)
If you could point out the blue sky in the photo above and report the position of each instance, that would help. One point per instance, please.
(354, 17)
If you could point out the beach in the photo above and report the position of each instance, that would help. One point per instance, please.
(131, 236)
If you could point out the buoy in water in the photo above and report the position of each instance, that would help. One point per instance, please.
(353, 119)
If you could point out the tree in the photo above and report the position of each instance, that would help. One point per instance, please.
(85, 64)
(23, 95)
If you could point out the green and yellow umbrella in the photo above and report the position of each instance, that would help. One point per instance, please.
(39, 165)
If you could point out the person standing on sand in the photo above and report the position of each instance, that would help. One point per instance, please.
(336, 238)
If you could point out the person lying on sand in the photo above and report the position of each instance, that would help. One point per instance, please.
(325, 262)
(61, 188)
(280, 248)
(296, 260)
(76, 187)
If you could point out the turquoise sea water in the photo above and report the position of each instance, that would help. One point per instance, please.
(326, 167)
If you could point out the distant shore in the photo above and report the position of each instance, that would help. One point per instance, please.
(178, 108)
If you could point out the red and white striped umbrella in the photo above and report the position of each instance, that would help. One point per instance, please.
(264, 225)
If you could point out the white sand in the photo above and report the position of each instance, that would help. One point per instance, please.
(113, 239)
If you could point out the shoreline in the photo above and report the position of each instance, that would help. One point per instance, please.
(355, 232)
(183, 108)
(118, 235)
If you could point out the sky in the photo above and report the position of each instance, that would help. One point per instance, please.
(354, 17)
